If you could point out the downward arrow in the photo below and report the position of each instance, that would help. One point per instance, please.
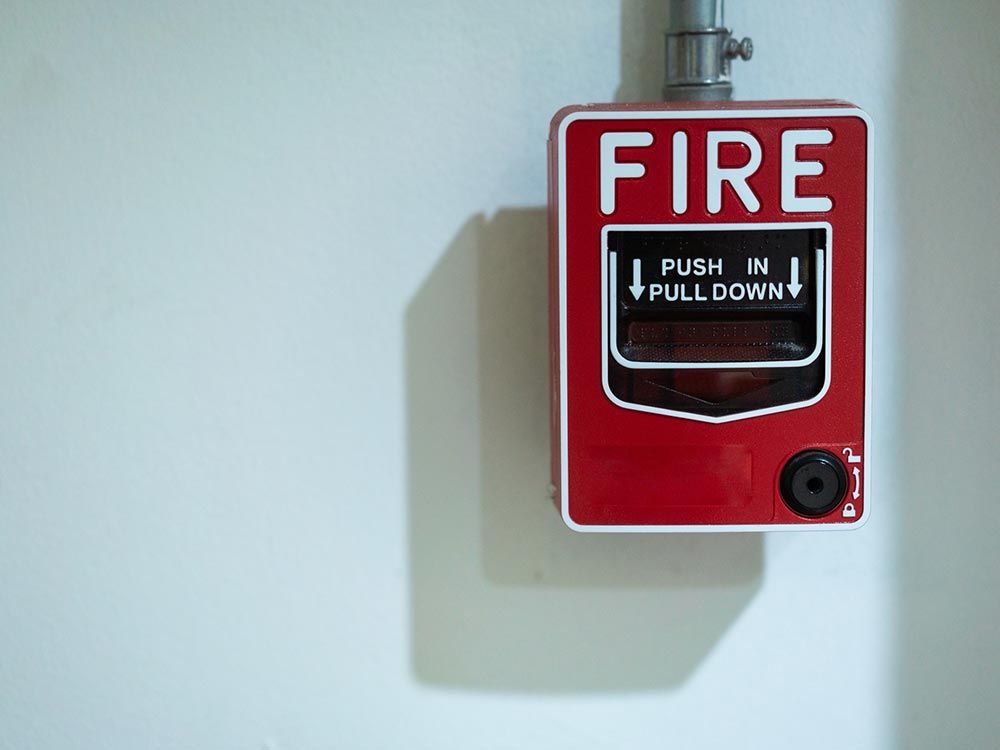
(795, 287)
(637, 288)
(857, 483)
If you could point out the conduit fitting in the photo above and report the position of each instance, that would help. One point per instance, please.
(700, 50)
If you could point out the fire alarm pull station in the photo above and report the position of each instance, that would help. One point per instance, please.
(710, 315)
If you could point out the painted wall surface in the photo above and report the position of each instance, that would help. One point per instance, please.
(273, 424)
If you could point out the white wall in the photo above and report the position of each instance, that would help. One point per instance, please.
(273, 437)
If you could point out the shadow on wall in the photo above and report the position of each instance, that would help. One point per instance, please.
(503, 596)
(949, 599)
(644, 24)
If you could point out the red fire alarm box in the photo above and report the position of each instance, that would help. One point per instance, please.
(711, 316)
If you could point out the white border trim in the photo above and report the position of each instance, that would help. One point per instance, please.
(869, 296)
(824, 329)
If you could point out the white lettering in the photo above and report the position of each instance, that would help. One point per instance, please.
(691, 266)
(792, 169)
(613, 170)
(735, 176)
(680, 170)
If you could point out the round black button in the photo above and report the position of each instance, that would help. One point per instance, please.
(813, 483)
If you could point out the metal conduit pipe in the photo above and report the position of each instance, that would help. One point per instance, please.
(700, 50)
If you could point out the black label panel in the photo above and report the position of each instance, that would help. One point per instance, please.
(704, 271)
